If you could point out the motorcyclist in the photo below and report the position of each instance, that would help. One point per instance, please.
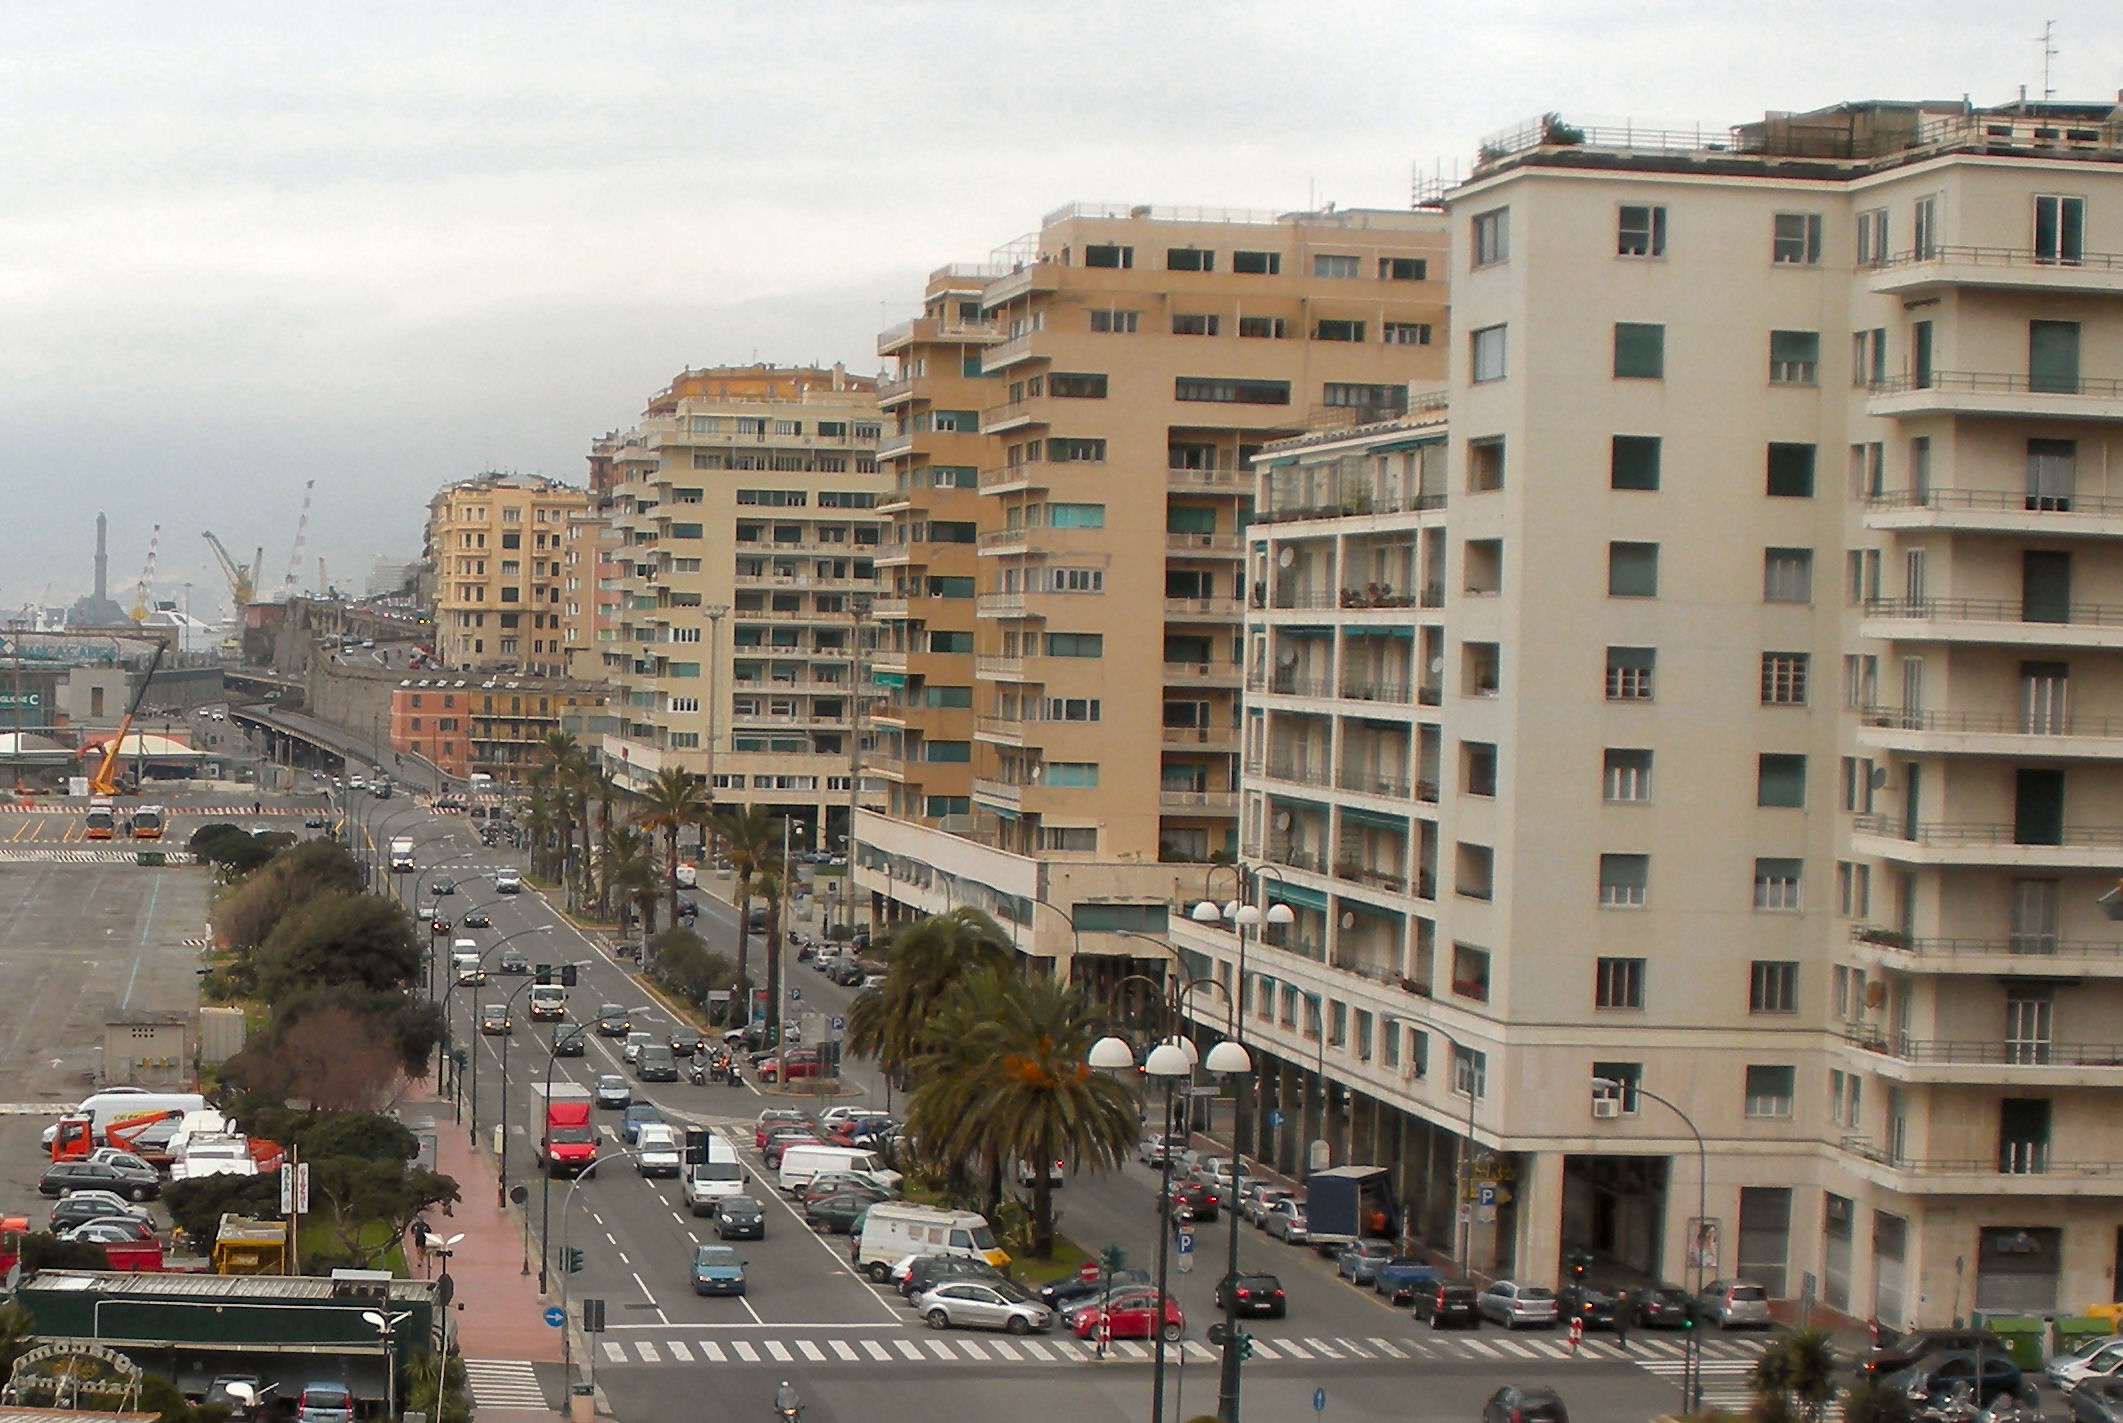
(786, 1404)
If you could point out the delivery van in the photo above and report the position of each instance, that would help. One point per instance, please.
(893, 1230)
(464, 957)
(800, 1163)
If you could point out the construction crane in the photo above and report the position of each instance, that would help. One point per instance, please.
(302, 534)
(241, 579)
(103, 785)
(144, 590)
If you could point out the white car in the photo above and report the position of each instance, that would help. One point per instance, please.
(635, 1043)
(657, 1151)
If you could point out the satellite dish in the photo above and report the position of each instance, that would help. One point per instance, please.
(1282, 820)
(1287, 657)
(1437, 664)
(1348, 919)
(1285, 556)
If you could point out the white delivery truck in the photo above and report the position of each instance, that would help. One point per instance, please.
(464, 956)
(800, 1163)
(401, 854)
(893, 1230)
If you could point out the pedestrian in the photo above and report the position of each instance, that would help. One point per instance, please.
(1577, 1333)
(1624, 1307)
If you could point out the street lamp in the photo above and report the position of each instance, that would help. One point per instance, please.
(445, 1247)
(480, 979)
(545, 1188)
(1170, 1064)
(1229, 1059)
(1242, 915)
(387, 1326)
(1692, 1375)
(502, 1184)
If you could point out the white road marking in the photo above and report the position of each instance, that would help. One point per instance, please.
(1003, 1348)
(906, 1347)
(1195, 1350)
(1262, 1351)
(810, 1351)
(1128, 1349)
(1037, 1350)
(779, 1352)
(845, 1354)
(940, 1349)
(1512, 1346)
(875, 1350)
(679, 1351)
(647, 1351)
(1480, 1348)
(712, 1350)
(1383, 1347)
(613, 1352)
(1290, 1347)
(745, 1351)
(1348, 1347)
(1320, 1347)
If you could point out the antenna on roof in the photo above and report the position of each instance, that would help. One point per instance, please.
(2049, 55)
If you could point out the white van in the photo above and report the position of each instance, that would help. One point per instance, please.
(103, 1106)
(719, 1174)
(464, 956)
(800, 1163)
(893, 1230)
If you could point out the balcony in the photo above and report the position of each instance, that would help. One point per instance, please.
(1355, 504)
(1016, 415)
(1395, 691)
(1297, 770)
(895, 443)
(1987, 843)
(1393, 881)
(1001, 669)
(1181, 545)
(998, 730)
(1193, 610)
(2024, 1172)
(1997, 393)
(2037, 955)
(1288, 682)
(1208, 481)
(1202, 674)
(1006, 541)
(998, 605)
(1989, 620)
(894, 339)
(999, 792)
(1998, 511)
(893, 392)
(1200, 738)
(1378, 783)
(1009, 353)
(1980, 1061)
(889, 609)
(1197, 802)
(1971, 733)
(2016, 268)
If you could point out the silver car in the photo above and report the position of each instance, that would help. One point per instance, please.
(1517, 1306)
(1286, 1218)
(984, 1304)
(1733, 1304)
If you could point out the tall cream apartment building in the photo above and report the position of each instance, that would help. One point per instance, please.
(1067, 440)
(1749, 752)
(493, 556)
(744, 528)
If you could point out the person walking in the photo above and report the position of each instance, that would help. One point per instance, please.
(1624, 1308)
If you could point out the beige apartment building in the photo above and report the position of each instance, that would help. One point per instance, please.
(1745, 760)
(744, 529)
(493, 557)
(1068, 434)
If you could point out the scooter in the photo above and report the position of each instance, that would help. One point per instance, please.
(736, 1078)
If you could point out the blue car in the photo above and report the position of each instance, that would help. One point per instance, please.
(717, 1271)
(630, 1124)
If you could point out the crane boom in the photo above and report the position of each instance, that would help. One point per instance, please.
(302, 534)
(239, 578)
(104, 784)
(145, 588)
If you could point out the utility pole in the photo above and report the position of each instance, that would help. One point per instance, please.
(859, 609)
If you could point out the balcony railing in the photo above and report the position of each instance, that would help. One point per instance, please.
(1182, 543)
(1011, 476)
(1992, 610)
(2031, 946)
(2015, 501)
(1199, 735)
(1200, 802)
(1992, 723)
(1377, 876)
(1177, 477)
(1979, 1052)
(1985, 832)
(998, 605)
(1287, 768)
(1373, 783)
(1378, 689)
(1997, 383)
(1283, 683)
(1363, 502)
(998, 790)
(2018, 1159)
(2001, 257)
(1201, 671)
(998, 415)
(1191, 608)
(1009, 669)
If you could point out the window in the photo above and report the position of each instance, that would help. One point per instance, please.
(1843, 1098)
(1773, 986)
(1629, 673)
(1075, 644)
(1189, 259)
(1076, 385)
(1076, 516)
(1485, 464)
(1784, 679)
(2060, 230)
(1071, 775)
(1868, 356)
(1791, 471)
(1641, 232)
(1861, 680)
(1068, 837)
(1924, 241)
(1478, 768)
(1231, 392)
(1868, 470)
(1406, 333)
(1118, 322)
(1632, 570)
(1377, 401)
(1325, 264)
(1107, 254)
(1625, 775)
(1325, 330)
(1492, 237)
(936, 807)
(1796, 239)
(1488, 348)
(1847, 995)
(1872, 237)
(1257, 264)
(1787, 575)
(1269, 328)
(1403, 269)
(953, 752)
(1780, 780)
(1769, 1091)
(1474, 871)
(1794, 357)
(1201, 324)
(1618, 983)
(1623, 879)
(1861, 567)
(1627, 1076)
(1776, 883)
(1853, 889)
(1470, 972)
(1633, 462)
(1639, 351)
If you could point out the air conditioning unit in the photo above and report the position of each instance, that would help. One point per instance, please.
(1606, 1108)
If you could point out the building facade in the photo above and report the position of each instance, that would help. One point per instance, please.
(493, 560)
(1068, 433)
(744, 526)
(1740, 763)
(495, 727)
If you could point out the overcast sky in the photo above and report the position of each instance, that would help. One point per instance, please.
(388, 245)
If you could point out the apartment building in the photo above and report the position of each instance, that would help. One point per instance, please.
(493, 554)
(1068, 431)
(591, 566)
(744, 526)
(1741, 764)
(495, 727)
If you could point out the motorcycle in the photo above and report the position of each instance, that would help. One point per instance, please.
(736, 1078)
(697, 1072)
(788, 1408)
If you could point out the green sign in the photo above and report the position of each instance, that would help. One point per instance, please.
(21, 699)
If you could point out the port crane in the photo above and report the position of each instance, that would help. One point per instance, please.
(143, 592)
(242, 578)
(103, 783)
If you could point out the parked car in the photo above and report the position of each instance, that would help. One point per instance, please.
(1403, 1277)
(1448, 1306)
(2066, 1369)
(840, 1213)
(1733, 1304)
(1259, 1295)
(717, 1271)
(1286, 1221)
(1913, 1346)
(1517, 1306)
(796, 1063)
(241, 1396)
(1662, 1307)
(84, 1206)
(612, 1021)
(1594, 1307)
(325, 1403)
(984, 1304)
(635, 1118)
(1134, 1315)
(1514, 1404)
(63, 1178)
(614, 1092)
(1070, 1289)
(109, 1230)
(827, 1183)
(635, 1043)
(2103, 1364)
(1360, 1263)
(119, 1156)
(1255, 1203)
(1057, 1172)
(740, 1218)
(1934, 1377)
(779, 1142)
(774, 1117)
(2097, 1401)
(1198, 1200)
(927, 1271)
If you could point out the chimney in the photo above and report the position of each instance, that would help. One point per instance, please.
(103, 561)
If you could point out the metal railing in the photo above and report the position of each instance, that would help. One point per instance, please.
(1184, 543)
(1202, 671)
(1372, 783)
(1377, 876)
(2017, 501)
(1348, 506)
(1985, 832)
(1204, 607)
(1995, 723)
(1206, 801)
(1997, 383)
(1010, 474)
(1980, 1052)
(1179, 477)
(996, 415)
(2032, 946)
(2025, 1159)
(1999, 257)
(1381, 689)
(1993, 610)
(1290, 684)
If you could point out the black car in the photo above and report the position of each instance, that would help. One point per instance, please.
(1448, 1306)
(929, 1270)
(685, 1042)
(569, 1041)
(440, 924)
(739, 1218)
(1931, 1379)
(1909, 1348)
(1662, 1307)
(1197, 1200)
(2097, 1401)
(612, 1021)
(441, 887)
(78, 1210)
(1060, 1294)
(1594, 1307)
(1512, 1404)
(1260, 1295)
(132, 1182)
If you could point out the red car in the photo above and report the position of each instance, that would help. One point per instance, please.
(776, 1119)
(778, 1146)
(1132, 1316)
(798, 1062)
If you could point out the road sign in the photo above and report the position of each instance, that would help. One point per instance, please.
(1186, 1242)
(1319, 1400)
(796, 995)
(555, 1315)
(1485, 1194)
(1088, 1271)
(593, 1316)
(1275, 1119)
(840, 1024)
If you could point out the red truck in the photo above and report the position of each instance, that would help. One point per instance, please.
(136, 1257)
(568, 1144)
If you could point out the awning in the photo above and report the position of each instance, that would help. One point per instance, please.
(1361, 631)
(889, 679)
(1377, 819)
(1306, 630)
(1006, 812)
(1303, 896)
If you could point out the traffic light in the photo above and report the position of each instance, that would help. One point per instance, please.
(545, 975)
(1245, 1346)
(567, 975)
(571, 1259)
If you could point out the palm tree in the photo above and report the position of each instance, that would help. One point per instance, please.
(594, 785)
(562, 762)
(769, 886)
(1005, 1079)
(1795, 1377)
(627, 864)
(751, 843)
(673, 799)
(927, 959)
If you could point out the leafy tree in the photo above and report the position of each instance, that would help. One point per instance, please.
(686, 966)
(339, 1048)
(312, 870)
(345, 939)
(417, 1382)
(769, 887)
(213, 830)
(376, 1138)
(563, 762)
(751, 844)
(234, 856)
(360, 1192)
(926, 961)
(626, 867)
(673, 801)
(198, 1205)
(45, 1251)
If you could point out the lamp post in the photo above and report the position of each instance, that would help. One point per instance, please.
(1168, 1063)
(1242, 914)
(445, 1248)
(501, 1186)
(716, 613)
(387, 1326)
(1692, 1376)
(1229, 1059)
(497, 944)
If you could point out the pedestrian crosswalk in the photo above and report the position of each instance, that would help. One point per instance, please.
(505, 1383)
(1726, 1362)
(1724, 1378)
(59, 854)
